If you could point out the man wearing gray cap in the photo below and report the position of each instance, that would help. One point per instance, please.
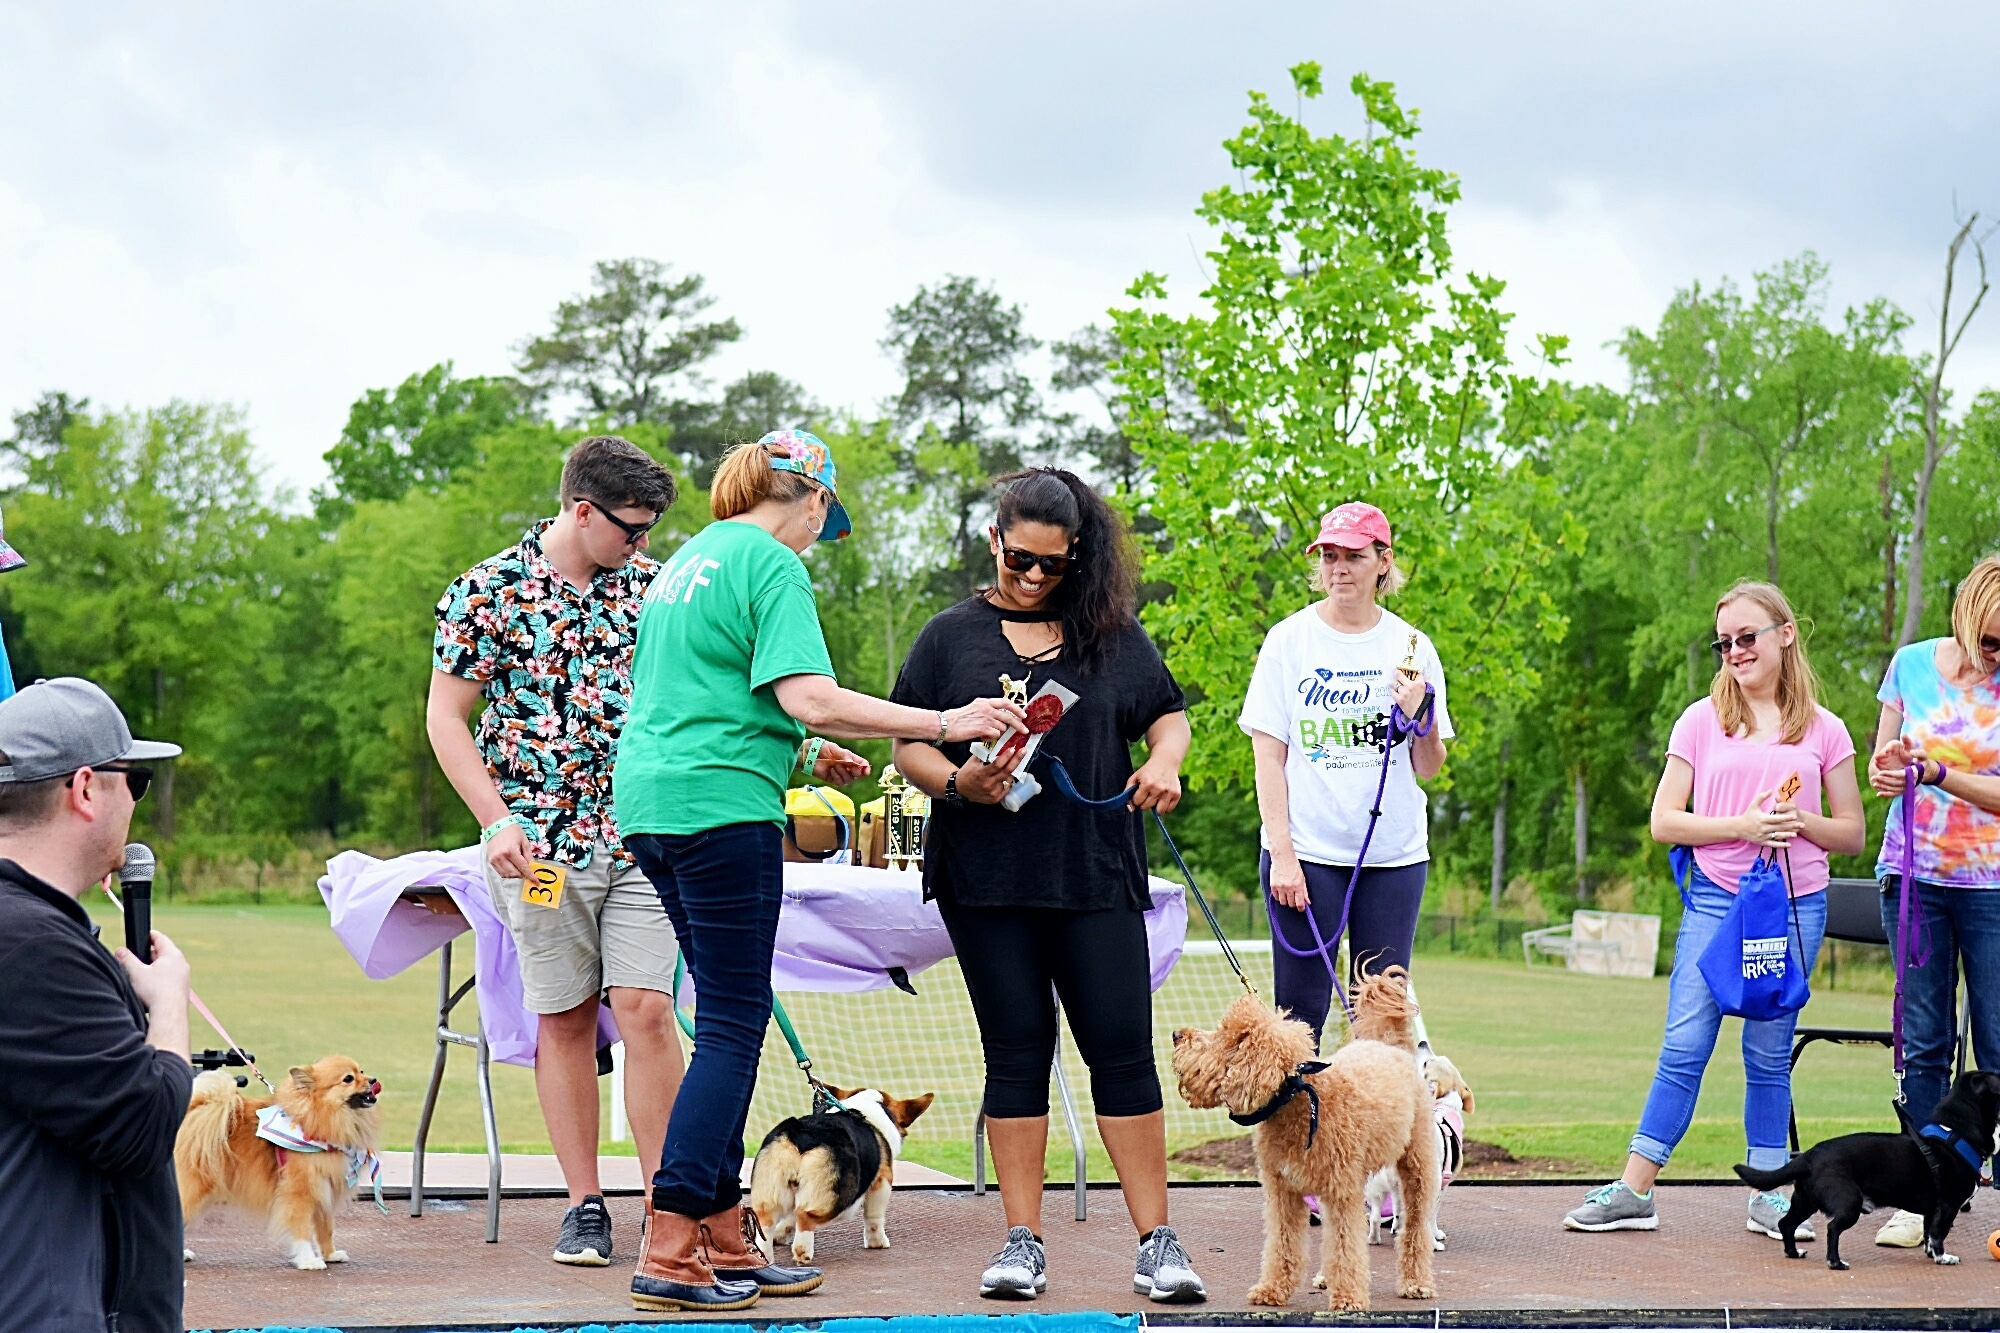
(94, 1072)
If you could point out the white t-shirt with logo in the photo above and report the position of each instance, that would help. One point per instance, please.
(1327, 696)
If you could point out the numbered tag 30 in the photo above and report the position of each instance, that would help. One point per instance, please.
(543, 886)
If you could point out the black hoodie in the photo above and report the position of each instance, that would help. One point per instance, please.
(90, 1216)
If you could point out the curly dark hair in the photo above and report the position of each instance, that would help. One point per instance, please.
(1099, 597)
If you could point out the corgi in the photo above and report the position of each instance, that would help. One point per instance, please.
(814, 1168)
(229, 1151)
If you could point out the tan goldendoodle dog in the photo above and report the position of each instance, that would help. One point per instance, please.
(1373, 1110)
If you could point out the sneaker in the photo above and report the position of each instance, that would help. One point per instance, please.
(1767, 1210)
(1164, 1272)
(1905, 1231)
(586, 1234)
(1614, 1207)
(1020, 1272)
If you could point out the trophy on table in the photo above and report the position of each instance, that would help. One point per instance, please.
(904, 812)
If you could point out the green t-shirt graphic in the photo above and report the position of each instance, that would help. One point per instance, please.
(706, 743)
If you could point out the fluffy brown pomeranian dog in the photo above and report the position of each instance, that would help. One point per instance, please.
(221, 1160)
(814, 1168)
(1373, 1110)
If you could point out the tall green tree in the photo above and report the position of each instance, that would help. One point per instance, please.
(701, 431)
(416, 435)
(622, 346)
(1345, 363)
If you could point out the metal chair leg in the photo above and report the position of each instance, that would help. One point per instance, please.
(1075, 1128)
(437, 1081)
(979, 1154)
(492, 1127)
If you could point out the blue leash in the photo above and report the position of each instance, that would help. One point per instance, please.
(1060, 776)
(1401, 728)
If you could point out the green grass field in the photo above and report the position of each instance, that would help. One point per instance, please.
(1560, 1062)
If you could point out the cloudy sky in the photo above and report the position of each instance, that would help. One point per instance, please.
(281, 205)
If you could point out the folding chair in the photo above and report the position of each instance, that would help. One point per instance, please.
(1854, 914)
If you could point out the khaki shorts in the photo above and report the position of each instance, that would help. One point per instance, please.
(608, 930)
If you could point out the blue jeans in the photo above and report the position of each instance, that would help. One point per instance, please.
(1693, 1021)
(721, 889)
(1963, 924)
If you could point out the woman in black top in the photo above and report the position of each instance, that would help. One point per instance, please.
(1050, 898)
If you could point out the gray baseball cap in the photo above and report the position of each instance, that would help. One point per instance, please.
(54, 727)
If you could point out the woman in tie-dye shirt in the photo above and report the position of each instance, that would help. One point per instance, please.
(1941, 714)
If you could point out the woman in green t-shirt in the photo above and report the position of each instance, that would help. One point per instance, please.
(729, 671)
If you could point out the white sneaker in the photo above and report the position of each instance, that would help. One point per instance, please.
(1905, 1231)
(1164, 1272)
(1019, 1272)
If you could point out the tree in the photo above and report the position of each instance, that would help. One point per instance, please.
(1083, 364)
(1937, 431)
(1336, 360)
(960, 348)
(417, 435)
(752, 407)
(620, 347)
(38, 431)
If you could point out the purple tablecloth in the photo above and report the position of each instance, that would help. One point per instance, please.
(841, 929)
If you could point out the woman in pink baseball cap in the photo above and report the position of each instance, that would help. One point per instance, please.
(1318, 713)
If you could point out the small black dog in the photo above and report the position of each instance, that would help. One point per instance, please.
(1930, 1173)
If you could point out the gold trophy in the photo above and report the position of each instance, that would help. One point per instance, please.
(1410, 666)
(1016, 691)
(904, 811)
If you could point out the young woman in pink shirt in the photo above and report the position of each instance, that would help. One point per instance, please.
(1734, 755)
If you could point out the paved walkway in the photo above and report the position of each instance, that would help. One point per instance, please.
(537, 1173)
(1507, 1253)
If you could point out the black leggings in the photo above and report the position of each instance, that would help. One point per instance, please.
(1381, 930)
(1097, 962)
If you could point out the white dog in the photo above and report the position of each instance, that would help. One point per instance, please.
(1453, 1102)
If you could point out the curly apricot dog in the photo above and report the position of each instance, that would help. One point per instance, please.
(1373, 1110)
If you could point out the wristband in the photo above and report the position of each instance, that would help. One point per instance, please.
(1923, 780)
(810, 758)
(488, 833)
(943, 726)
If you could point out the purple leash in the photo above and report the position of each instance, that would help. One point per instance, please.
(1401, 728)
(1913, 944)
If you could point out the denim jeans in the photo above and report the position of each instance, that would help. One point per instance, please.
(721, 889)
(1693, 1021)
(1963, 925)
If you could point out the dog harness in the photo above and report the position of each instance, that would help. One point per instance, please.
(1957, 1142)
(1290, 1088)
(276, 1126)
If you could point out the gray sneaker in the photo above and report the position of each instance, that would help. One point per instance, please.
(1020, 1272)
(586, 1234)
(1767, 1210)
(1614, 1207)
(1164, 1272)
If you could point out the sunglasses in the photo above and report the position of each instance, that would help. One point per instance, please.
(633, 531)
(1989, 645)
(1055, 566)
(1743, 643)
(137, 778)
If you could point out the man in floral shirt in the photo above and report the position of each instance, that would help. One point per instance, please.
(543, 634)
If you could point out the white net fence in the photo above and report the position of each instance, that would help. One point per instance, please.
(908, 1045)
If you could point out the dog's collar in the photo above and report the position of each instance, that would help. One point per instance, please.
(1957, 1142)
(1294, 1084)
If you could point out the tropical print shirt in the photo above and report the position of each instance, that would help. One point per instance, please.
(554, 663)
(1957, 843)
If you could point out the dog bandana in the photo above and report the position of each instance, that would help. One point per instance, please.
(275, 1126)
(1290, 1088)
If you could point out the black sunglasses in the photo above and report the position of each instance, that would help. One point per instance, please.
(1989, 645)
(633, 531)
(1055, 566)
(137, 778)
(1743, 643)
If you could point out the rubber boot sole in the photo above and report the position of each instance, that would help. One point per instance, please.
(799, 1288)
(645, 1302)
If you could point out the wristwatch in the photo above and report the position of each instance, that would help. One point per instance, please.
(952, 795)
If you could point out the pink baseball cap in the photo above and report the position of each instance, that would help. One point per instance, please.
(1352, 526)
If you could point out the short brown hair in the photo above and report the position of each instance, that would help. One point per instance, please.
(611, 470)
(746, 479)
(26, 804)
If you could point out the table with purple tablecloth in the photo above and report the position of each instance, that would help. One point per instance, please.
(841, 928)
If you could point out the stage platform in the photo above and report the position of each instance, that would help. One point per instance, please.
(1510, 1265)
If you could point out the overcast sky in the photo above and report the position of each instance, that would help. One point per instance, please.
(282, 205)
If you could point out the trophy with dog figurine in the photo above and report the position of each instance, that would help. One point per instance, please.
(904, 813)
(1044, 710)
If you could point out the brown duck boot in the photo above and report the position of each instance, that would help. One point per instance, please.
(725, 1240)
(673, 1275)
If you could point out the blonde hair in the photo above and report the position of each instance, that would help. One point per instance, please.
(1976, 601)
(1798, 687)
(1387, 584)
(745, 479)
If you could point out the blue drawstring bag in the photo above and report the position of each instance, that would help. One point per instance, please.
(1749, 965)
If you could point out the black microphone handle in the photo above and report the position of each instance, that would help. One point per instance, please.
(139, 919)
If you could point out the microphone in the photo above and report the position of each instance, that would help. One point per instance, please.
(136, 877)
